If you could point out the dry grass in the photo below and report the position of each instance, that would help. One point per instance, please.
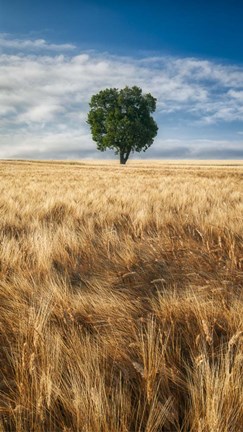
(121, 305)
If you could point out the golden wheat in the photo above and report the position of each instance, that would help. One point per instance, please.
(121, 305)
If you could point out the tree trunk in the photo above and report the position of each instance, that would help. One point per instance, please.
(124, 156)
(122, 159)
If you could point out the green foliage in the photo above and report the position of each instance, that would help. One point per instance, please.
(121, 120)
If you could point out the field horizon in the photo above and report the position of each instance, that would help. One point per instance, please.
(132, 161)
(121, 302)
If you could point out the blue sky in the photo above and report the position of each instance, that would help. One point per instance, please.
(55, 55)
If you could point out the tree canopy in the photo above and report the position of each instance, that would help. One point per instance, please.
(121, 120)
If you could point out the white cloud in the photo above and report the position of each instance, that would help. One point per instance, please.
(44, 98)
(7, 42)
(236, 95)
(40, 113)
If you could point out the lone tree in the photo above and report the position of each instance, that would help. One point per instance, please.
(121, 120)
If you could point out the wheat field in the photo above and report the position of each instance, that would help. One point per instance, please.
(121, 297)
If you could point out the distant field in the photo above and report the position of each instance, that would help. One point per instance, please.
(121, 296)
